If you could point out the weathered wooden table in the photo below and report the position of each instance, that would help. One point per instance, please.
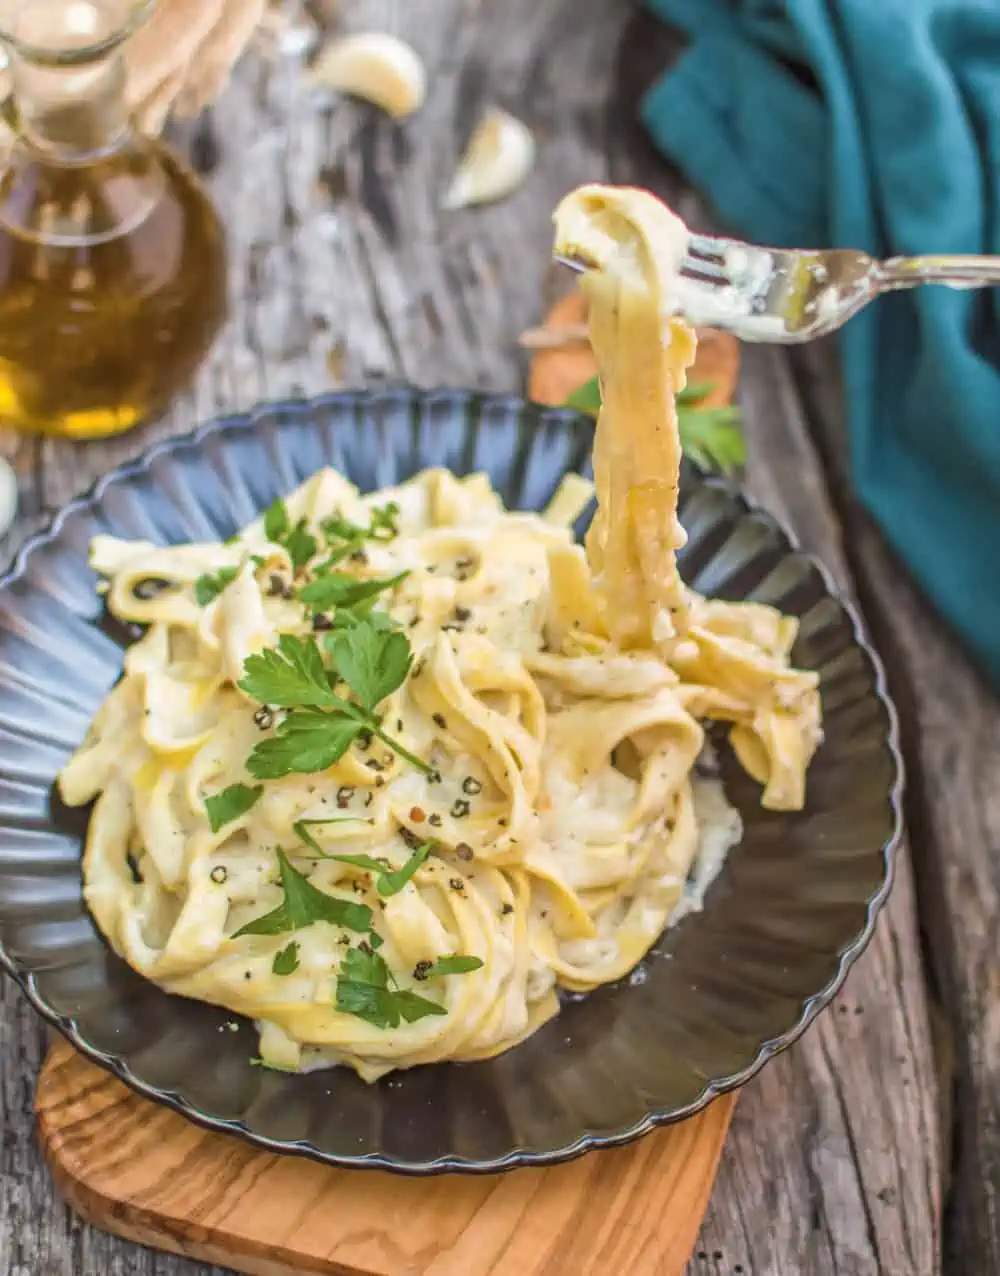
(872, 1147)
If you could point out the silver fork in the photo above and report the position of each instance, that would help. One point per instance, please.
(787, 296)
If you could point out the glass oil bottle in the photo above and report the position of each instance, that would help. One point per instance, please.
(112, 261)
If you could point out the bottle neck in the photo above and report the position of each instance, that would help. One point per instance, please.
(72, 113)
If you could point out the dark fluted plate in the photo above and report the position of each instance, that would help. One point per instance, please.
(721, 992)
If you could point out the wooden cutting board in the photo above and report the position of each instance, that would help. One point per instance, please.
(143, 1172)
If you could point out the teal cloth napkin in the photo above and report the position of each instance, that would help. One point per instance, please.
(873, 124)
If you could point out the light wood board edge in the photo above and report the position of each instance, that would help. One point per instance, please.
(137, 1170)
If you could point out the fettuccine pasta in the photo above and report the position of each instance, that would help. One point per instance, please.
(386, 772)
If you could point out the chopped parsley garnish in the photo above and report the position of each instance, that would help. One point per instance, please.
(228, 805)
(337, 589)
(389, 881)
(209, 586)
(298, 542)
(363, 990)
(286, 962)
(454, 965)
(371, 660)
(304, 905)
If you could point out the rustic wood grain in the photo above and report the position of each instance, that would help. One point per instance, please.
(951, 729)
(116, 1158)
(343, 268)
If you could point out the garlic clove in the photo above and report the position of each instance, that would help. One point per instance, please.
(499, 157)
(377, 67)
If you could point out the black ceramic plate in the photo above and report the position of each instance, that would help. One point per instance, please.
(719, 995)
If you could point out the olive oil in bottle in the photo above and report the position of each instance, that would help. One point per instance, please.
(112, 261)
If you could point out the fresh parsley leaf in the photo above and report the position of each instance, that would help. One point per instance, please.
(301, 830)
(586, 398)
(363, 990)
(276, 521)
(307, 741)
(383, 522)
(286, 962)
(392, 882)
(338, 589)
(336, 528)
(208, 587)
(292, 676)
(300, 544)
(372, 661)
(304, 905)
(365, 966)
(413, 1007)
(695, 391)
(374, 1005)
(711, 437)
(232, 802)
(289, 676)
(456, 965)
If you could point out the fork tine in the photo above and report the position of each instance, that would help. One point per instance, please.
(707, 248)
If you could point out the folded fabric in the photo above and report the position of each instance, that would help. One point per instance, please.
(873, 124)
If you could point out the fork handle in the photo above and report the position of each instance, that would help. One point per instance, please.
(956, 271)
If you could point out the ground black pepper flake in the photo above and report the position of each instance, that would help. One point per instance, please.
(364, 740)
(264, 718)
(321, 623)
(414, 622)
(359, 556)
(147, 589)
(456, 884)
(379, 781)
(344, 795)
(464, 851)
(506, 910)
(440, 720)
(248, 974)
(460, 808)
(369, 800)
(451, 628)
(462, 614)
(410, 838)
(373, 764)
(471, 785)
(434, 820)
(420, 969)
(502, 823)
(219, 874)
(434, 777)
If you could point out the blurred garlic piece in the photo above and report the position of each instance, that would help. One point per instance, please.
(498, 158)
(8, 497)
(377, 67)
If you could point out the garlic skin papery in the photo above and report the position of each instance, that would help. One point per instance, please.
(376, 67)
(500, 155)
